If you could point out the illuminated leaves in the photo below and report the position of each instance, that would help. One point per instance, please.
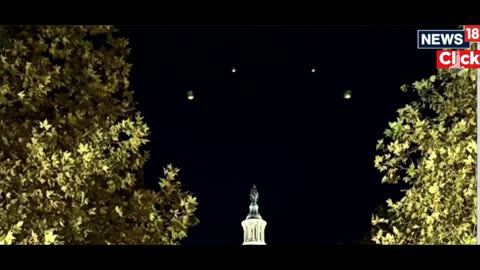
(68, 174)
(9, 238)
(379, 144)
(377, 220)
(433, 189)
(49, 237)
(21, 95)
(378, 161)
(433, 152)
(45, 125)
(119, 211)
(82, 148)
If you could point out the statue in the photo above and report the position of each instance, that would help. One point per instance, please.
(254, 195)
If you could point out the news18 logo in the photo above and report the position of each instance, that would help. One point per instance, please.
(452, 46)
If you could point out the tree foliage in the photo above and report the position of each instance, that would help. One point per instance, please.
(432, 148)
(72, 145)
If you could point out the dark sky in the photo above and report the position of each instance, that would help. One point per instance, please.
(274, 123)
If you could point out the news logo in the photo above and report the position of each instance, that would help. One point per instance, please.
(441, 39)
(472, 33)
(458, 59)
(452, 46)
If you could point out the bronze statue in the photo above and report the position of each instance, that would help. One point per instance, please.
(253, 205)
(254, 195)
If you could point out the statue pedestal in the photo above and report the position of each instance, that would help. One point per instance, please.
(254, 231)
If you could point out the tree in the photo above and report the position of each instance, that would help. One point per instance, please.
(72, 145)
(431, 147)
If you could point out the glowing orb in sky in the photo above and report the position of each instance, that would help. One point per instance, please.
(347, 94)
(190, 95)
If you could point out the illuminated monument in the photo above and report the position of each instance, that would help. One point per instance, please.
(254, 225)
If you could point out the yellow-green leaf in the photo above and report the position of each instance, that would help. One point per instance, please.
(45, 125)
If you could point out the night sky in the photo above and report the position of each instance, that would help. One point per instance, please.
(273, 122)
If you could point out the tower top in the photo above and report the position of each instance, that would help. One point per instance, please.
(254, 214)
(254, 225)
